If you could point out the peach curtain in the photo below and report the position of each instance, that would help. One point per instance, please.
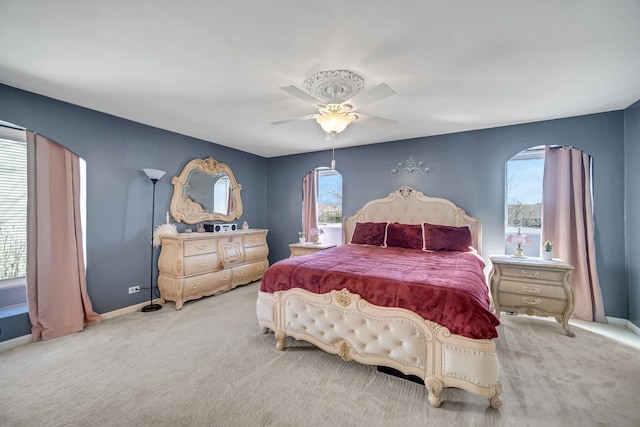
(567, 220)
(56, 282)
(309, 196)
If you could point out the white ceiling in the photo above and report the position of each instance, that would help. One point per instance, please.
(212, 69)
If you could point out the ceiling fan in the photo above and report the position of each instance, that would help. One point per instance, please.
(338, 95)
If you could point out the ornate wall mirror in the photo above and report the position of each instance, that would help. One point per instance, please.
(205, 191)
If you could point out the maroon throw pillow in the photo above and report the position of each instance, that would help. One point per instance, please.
(447, 238)
(404, 236)
(369, 233)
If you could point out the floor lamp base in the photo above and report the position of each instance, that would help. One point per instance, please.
(151, 307)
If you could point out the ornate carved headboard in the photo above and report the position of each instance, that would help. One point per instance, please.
(409, 206)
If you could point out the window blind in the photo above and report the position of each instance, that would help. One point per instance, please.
(13, 202)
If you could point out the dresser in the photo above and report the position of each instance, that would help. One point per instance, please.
(298, 249)
(532, 286)
(194, 265)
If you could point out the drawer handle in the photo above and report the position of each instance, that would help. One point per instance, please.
(530, 290)
(195, 285)
(534, 301)
(240, 273)
(528, 275)
(203, 264)
(261, 268)
(201, 247)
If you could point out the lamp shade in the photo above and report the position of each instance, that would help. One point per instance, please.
(519, 240)
(154, 173)
(333, 122)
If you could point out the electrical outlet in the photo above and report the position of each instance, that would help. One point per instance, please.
(134, 289)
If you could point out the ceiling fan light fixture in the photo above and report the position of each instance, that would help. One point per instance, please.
(334, 122)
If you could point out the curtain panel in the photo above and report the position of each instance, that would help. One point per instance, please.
(567, 221)
(309, 196)
(56, 282)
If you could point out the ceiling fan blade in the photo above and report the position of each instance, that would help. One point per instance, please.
(374, 120)
(299, 93)
(370, 96)
(295, 119)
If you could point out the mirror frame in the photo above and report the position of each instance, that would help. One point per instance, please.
(183, 209)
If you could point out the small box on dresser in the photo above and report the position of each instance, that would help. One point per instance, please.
(194, 265)
(532, 286)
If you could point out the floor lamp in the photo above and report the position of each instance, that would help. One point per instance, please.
(154, 175)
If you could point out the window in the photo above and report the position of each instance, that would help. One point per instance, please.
(326, 186)
(329, 207)
(13, 220)
(523, 198)
(329, 197)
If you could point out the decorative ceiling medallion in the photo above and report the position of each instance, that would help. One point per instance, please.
(334, 85)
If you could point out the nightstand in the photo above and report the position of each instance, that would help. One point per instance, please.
(298, 249)
(532, 286)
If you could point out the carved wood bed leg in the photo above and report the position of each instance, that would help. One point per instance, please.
(280, 336)
(494, 400)
(434, 386)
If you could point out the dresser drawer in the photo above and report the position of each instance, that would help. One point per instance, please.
(254, 240)
(255, 253)
(533, 288)
(199, 247)
(231, 252)
(205, 284)
(249, 272)
(532, 273)
(549, 305)
(201, 263)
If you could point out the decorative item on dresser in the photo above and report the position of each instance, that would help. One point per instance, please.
(533, 286)
(194, 265)
(298, 249)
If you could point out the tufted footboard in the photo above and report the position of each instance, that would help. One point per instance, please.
(342, 323)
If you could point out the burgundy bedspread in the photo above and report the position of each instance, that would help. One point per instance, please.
(448, 288)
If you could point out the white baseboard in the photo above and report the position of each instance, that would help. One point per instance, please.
(126, 310)
(25, 339)
(624, 322)
(15, 342)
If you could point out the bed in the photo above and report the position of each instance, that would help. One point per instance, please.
(367, 302)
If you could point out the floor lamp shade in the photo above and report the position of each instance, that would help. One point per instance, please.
(154, 175)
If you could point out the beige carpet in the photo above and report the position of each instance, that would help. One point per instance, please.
(210, 365)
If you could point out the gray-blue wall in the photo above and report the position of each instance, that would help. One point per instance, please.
(119, 195)
(468, 168)
(632, 199)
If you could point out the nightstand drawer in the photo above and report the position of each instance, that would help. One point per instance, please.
(549, 305)
(532, 288)
(532, 273)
